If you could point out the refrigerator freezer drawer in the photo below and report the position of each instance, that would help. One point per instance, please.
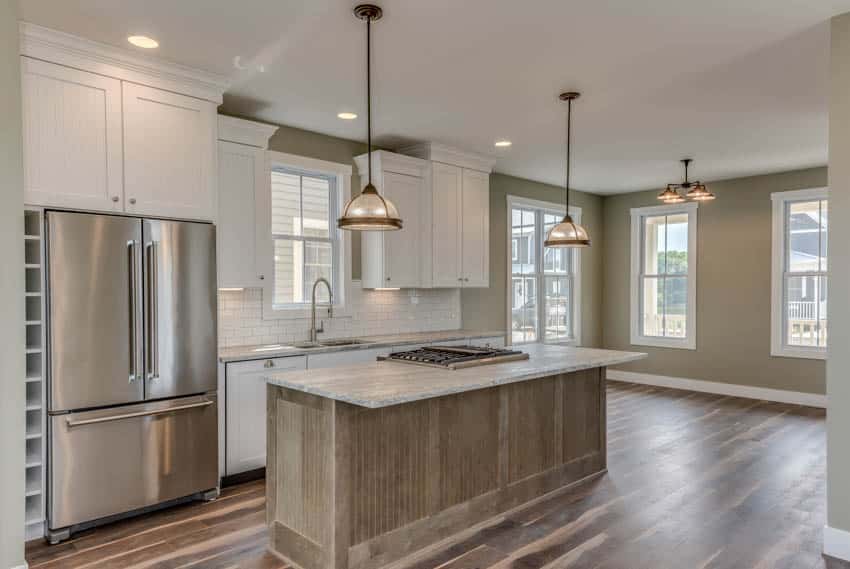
(116, 460)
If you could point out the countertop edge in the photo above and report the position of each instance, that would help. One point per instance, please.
(290, 352)
(441, 392)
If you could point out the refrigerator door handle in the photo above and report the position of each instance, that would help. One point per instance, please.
(134, 341)
(153, 312)
(81, 422)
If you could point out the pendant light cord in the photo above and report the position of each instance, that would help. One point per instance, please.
(369, 94)
(569, 130)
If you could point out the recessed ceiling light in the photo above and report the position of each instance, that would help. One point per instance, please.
(503, 143)
(143, 41)
(347, 116)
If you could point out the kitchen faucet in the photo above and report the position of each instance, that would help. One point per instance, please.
(314, 333)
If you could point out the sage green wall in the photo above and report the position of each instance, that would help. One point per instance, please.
(12, 397)
(733, 287)
(487, 308)
(838, 365)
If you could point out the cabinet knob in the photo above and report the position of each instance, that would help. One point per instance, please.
(466, 280)
(115, 198)
(262, 277)
(460, 279)
(268, 364)
(389, 279)
(132, 200)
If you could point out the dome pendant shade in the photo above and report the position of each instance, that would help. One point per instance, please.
(370, 212)
(567, 234)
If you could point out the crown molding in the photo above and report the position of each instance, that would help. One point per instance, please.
(437, 152)
(241, 131)
(392, 162)
(72, 51)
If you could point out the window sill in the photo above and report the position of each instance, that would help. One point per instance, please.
(800, 353)
(685, 344)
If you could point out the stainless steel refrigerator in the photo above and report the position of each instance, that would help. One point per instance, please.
(132, 365)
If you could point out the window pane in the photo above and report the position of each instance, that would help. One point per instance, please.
(557, 324)
(802, 311)
(804, 228)
(675, 306)
(317, 263)
(522, 240)
(316, 206)
(677, 244)
(286, 203)
(524, 309)
(288, 271)
(822, 313)
(653, 244)
(652, 306)
(556, 260)
(824, 207)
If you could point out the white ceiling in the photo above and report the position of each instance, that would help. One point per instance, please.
(739, 85)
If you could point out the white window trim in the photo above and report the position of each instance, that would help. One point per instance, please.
(778, 347)
(637, 337)
(575, 212)
(265, 253)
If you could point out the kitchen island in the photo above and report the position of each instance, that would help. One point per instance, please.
(375, 462)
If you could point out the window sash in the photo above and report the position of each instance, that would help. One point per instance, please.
(539, 275)
(333, 237)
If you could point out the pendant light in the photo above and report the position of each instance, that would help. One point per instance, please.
(568, 233)
(369, 211)
(696, 190)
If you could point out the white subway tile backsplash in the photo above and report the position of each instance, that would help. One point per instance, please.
(369, 312)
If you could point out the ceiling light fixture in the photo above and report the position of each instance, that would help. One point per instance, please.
(503, 143)
(347, 116)
(143, 42)
(568, 233)
(696, 190)
(369, 211)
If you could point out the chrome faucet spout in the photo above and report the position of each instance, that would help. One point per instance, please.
(314, 332)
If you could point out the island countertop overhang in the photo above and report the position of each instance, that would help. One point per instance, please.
(384, 384)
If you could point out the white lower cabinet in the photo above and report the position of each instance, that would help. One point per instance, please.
(347, 357)
(245, 439)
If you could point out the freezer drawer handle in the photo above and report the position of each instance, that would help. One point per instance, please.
(72, 423)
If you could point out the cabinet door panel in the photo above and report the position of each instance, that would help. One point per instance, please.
(346, 357)
(241, 173)
(169, 152)
(402, 248)
(446, 215)
(476, 229)
(72, 137)
(246, 410)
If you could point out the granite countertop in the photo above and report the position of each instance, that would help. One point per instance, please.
(242, 353)
(383, 384)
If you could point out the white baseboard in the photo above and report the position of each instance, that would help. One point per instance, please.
(732, 389)
(836, 543)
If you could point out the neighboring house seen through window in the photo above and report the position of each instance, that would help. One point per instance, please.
(799, 289)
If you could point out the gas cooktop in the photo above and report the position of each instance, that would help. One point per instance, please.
(455, 357)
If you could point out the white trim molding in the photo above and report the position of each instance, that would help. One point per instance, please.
(241, 131)
(54, 46)
(448, 155)
(265, 252)
(731, 389)
(575, 269)
(638, 214)
(836, 543)
(778, 245)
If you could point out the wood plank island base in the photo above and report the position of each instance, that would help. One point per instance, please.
(371, 464)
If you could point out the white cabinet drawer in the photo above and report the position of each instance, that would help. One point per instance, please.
(348, 357)
(245, 438)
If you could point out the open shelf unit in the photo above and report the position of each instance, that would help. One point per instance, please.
(36, 405)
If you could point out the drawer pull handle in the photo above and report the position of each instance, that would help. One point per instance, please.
(72, 423)
(268, 364)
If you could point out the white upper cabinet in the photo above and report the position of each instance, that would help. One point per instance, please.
(169, 154)
(398, 259)
(244, 182)
(460, 212)
(72, 137)
(475, 229)
(108, 130)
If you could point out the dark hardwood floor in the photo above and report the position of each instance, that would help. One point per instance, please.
(695, 481)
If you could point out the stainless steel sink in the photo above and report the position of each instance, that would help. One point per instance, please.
(329, 344)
